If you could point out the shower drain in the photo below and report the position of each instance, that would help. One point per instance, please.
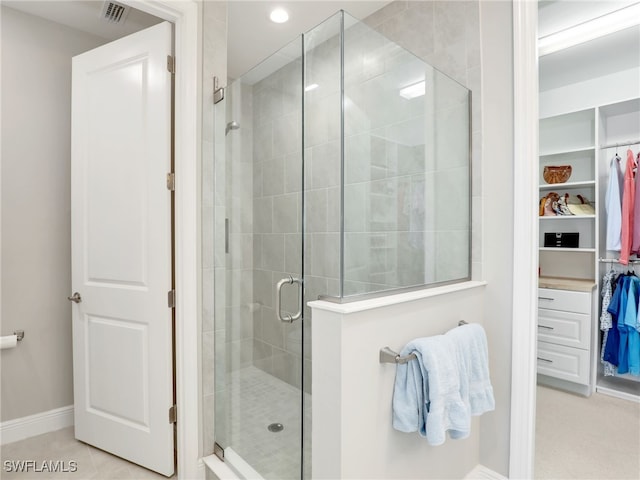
(275, 427)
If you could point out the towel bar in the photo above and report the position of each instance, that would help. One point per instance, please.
(389, 356)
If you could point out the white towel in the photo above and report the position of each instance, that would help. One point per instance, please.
(473, 360)
(426, 396)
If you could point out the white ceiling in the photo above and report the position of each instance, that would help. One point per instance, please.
(84, 15)
(252, 37)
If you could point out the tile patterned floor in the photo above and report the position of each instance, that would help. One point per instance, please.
(256, 400)
(52, 447)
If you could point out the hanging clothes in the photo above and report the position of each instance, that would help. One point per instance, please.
(628, 202)
(618, 299)
(606, 323)
(635, 245)
(613, 205)
(622, 347)
(626, 325)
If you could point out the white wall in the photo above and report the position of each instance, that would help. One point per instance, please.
(36, 242)
(352, 391)
(592, 92)
(496, 38)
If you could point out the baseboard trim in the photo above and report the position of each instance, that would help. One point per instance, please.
(612, 392)
(480, 472)
(27, 427)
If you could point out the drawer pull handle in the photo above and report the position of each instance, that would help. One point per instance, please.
(544, 326)
(546, 298)
(545, 360)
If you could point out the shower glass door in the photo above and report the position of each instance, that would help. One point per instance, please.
(341, 169)
(259, 269)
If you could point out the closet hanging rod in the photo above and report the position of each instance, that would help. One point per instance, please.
(615, 260)
(622, 144)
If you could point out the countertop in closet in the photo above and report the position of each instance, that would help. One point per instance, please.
(562, 283)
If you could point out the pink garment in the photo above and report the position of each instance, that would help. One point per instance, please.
(635, 244)
(628, 203)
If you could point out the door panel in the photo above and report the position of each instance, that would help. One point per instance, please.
(121, 248)
(106, 372)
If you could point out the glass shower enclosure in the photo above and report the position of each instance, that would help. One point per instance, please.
(344, 172)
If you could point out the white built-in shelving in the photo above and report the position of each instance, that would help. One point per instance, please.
(587, 140)
(570, 139)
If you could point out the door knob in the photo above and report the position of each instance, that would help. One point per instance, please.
(76, 298)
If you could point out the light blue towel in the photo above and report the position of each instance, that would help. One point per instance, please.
(426, 396)
(473, 359)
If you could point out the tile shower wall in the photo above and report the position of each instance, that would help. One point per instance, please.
(277, 211)
(405, 167)
(446, 35)
(322, 155)
(399, 157)
(386, 167)
(382, 248)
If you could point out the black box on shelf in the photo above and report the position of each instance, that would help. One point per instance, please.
(561, 239)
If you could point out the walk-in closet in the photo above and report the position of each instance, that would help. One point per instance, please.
(589, 265)
(589, 121)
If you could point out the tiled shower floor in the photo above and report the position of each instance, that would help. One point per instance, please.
(257, 400)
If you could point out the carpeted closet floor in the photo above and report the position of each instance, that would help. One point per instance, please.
(586, 438)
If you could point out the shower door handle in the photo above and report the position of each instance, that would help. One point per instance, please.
(288, 281)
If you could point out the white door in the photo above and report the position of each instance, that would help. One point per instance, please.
(121, 248)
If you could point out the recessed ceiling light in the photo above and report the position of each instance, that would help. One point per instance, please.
(279, 15)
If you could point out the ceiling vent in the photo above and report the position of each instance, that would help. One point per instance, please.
(114, 12)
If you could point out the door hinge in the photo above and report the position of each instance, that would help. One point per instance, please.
(171, 298)
(218, 92)
(171, 64)
(171, 181)
(173, 414)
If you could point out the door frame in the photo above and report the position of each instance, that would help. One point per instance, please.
(184, 15)
(525, 239)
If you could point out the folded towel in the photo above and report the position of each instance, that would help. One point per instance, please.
(473, 360)
(426, 395)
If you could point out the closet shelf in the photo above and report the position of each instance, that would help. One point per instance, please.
(560, 249)
(566, 217)
(562, 186)
(567, 151)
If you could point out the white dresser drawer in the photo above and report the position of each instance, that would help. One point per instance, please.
(562, 362)
(567, 300)
(564, 328)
